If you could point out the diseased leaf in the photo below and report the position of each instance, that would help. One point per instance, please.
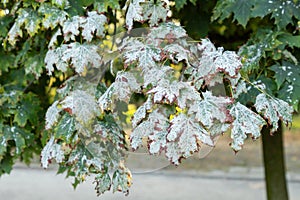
(121, 180)
(155, 12)
(54, 58)
(103, 183)
(65, 128)
(93, 24)
(187, 134)
(82, 105)
(134, 12)
(71, 28)
(210, 108)
(60, 3)
(81, 56)
(241, 126)
(273, 109)
(145, 54)
(52, 115)
(155, 124)
(52, 16)
(50, 151)
(103, 5)
(141, 112)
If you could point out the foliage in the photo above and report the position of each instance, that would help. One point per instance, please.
(178, 110)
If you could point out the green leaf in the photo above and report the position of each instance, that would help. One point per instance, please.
(179, 4)
(6, 62)
(27, 109)
(240, 8)
(17, 135)
(290, 40)
(282, 11)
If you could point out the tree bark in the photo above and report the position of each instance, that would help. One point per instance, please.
(274, 163)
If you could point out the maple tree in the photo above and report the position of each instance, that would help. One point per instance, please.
(67, 47)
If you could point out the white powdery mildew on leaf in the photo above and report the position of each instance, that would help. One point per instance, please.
(228, 61)
(245, 122)
(155, 12)
(155, 124)
(134, 12)
(273, 109)
(167, 30)
(82, 56)
(187, 134)
(54, 57)
(53, 40)
(140, 113)
(14, 33)
(50, 151)
(166, 91)
(145, 54)
(71, 28)
(94, 23)
(61, 3)
(155, 74)
(177, 53)
(210, 108)
(52, 115)
(82, 105)
(218, 59)
(52, 16)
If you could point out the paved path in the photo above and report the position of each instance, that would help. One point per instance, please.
(238, 183)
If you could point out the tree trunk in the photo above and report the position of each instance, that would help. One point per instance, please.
(274, 163)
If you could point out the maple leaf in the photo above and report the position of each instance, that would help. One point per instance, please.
(134, 12)
(50, 151)
(71, 28)
(241, 9)
(122, 89)
(82, 56)
(31, 21)
(177, 52)
(52, 16)
(210, 108)
(155, 12)
(82, 105)
(154, 125)
(52, 115)
(54, 57)
(187, 134)
(166, 91)
(141, 112)
(167, 30)
(61, 3)
(282, 11)
(273, 109)
(145, 54)
(241, 126)
(94, 23)
(103, 5)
